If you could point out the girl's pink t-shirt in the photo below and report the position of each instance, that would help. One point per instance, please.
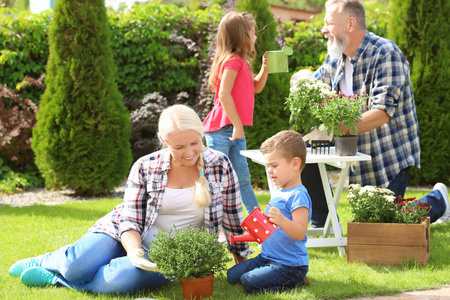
(243, 95)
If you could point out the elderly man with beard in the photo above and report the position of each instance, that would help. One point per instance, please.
(360, 62)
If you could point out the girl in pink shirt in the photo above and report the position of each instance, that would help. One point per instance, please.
(232, 80)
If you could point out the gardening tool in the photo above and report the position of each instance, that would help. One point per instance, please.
(277, 61)
(257, 225)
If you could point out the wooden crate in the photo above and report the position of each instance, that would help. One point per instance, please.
(388, 243)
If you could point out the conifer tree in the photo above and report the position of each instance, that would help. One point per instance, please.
(83, 129)
(270, 115)
(420, 29)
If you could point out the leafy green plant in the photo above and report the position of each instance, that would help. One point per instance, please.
(370, 204)
(304, 92)
(338, 110)
(23, 47)
(312, 104)
(188, 253)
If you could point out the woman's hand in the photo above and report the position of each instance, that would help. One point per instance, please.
(138, 259)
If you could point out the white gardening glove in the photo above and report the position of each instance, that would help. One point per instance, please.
(138, 259)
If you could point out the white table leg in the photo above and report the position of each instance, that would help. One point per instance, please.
(333, 201)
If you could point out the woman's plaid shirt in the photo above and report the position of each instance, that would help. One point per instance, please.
(144, 194)
(381, 71)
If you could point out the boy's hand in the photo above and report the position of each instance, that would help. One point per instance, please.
(275, 216)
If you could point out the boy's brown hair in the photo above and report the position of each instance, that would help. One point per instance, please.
(288, 144)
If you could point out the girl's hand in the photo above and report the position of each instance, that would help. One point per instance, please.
(264, 61)
(275, 216)
(238, 133)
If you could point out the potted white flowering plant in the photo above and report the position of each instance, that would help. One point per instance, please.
(386, 229)
(190, 255)
(312, 103)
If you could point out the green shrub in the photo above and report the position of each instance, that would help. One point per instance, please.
(157, 48)
(420, 29)
(83, 129)
(23, 47)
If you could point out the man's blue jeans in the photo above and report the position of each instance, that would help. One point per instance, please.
(219, 140)
(434, 198)
(98, 263)
(260, 274)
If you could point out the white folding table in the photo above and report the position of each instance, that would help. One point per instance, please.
(341, 162)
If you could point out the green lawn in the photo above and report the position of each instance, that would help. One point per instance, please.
(30, 231)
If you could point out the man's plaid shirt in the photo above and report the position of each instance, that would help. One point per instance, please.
(144, 193)
(381, 71)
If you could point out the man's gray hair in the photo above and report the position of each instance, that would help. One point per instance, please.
(354, 8)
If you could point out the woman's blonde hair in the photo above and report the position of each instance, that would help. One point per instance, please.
(182, 117)
(233, 38)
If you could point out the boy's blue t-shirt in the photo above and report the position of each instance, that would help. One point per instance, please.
(279, 246)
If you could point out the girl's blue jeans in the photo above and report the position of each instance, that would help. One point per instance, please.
(98, 263)
(434, 198)
(220, 141)
(260, 274)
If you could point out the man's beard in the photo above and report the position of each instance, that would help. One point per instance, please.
(338, 46)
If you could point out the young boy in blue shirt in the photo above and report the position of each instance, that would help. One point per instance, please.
(283, 262)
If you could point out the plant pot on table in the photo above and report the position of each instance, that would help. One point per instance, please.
(346, 145)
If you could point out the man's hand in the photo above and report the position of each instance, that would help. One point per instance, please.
(137, 258)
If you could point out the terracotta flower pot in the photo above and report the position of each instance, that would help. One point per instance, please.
(197, 288)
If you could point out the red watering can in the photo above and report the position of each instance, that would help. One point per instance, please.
(258, 226)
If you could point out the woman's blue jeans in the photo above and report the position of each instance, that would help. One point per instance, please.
(434, 198)
(98, 263)
(220, 141)
(260, 274)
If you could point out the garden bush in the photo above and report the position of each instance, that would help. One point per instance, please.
(420, 29)
(83, 129)
(23, 48)
(17, 118)
(157, 48)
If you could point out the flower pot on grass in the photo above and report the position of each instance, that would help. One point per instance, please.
(198, 288)
(386, 229)
(190, 255)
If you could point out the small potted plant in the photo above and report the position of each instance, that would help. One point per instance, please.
(312, 103)
(304, 92)
(190, 255)
(386, 229)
